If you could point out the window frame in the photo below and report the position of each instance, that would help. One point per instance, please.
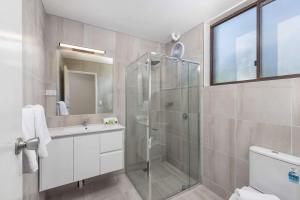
(258, 5)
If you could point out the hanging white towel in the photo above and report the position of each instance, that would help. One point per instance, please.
(62, 107)
(28, 130)
(250, 195)
(41, 130)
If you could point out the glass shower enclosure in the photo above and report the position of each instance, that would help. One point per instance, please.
(162, 155)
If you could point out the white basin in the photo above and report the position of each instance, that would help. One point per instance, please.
(79, 129)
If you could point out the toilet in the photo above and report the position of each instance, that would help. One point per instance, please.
(272, 172)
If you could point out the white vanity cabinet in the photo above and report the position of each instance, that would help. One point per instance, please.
(57, 169)
(78, 156)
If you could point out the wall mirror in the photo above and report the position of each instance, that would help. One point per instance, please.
(85, 84)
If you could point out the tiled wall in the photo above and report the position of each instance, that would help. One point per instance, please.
(33, 73)
(33, 52)
(238, 116)
(234, 117)
(122, 47)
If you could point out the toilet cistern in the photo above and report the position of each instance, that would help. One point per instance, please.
(273, 173)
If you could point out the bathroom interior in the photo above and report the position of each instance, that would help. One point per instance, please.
(150, 100)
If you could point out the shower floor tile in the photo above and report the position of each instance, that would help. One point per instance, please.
(167, 180)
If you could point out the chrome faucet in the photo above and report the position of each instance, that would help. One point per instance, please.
(84, 123)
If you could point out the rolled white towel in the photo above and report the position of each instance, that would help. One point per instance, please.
(62, 107)
(243, 194)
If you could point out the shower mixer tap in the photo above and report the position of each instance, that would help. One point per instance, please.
(185, 116)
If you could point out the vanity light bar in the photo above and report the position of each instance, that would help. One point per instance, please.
(82, 49)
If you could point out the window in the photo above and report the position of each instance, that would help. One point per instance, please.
(234, 48)
(280, 31)
(273, 26)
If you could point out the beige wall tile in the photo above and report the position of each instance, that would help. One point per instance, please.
(296, 102)
(268, 102)
(273, 136)
(99, 38)
(241, 173)
(193, 41)
(296, 141)
(221, 135)
(244, 138)
(126, 50)
(72, 32)
(260, 134)
(219, 169)
(222, 101)
(205, 131)
(53, 31)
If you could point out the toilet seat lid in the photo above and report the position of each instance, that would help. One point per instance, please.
(248, 188)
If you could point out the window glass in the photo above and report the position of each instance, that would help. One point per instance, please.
(280, 42)
(234, 48)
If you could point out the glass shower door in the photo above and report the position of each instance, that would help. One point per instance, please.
(193, 93)
(162, 126)
(137, 131)
(169, 127)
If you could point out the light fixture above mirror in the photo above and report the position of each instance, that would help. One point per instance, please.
(81, 49)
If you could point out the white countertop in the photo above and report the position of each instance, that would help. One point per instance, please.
(79, 130)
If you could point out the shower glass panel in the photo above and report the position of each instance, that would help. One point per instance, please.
(162, 126)
(137, 132)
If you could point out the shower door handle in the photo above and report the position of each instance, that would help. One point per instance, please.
(149, 142)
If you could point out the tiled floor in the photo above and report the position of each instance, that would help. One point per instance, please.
(197, 193)
(118, 187)
(166, 180)
(112, 187)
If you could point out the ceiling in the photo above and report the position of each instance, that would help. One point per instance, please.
(149, 19)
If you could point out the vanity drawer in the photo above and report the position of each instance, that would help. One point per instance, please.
(111, 161)
(111, 141)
